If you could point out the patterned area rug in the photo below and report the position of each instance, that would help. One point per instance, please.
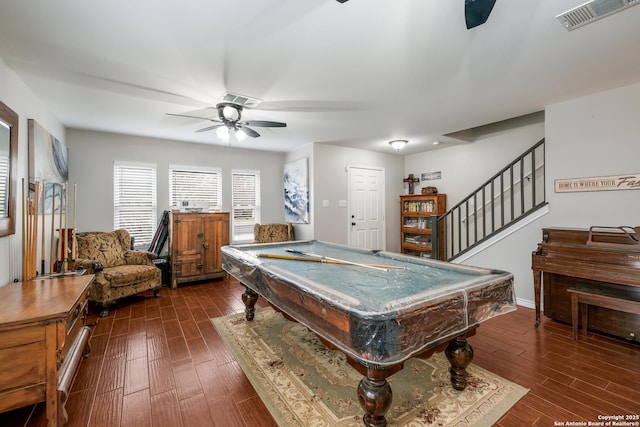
(305, 384)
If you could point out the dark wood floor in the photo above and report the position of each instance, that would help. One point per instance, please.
(159, 362)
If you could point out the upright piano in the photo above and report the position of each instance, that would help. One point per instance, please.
(607, 257)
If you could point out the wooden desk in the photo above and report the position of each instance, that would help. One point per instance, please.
(42, 340)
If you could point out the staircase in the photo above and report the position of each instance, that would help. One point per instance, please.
(514, 193)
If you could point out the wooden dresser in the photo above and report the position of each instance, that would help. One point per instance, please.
(195, 240)
(42, 340)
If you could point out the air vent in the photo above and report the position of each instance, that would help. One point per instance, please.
(593, 11)
(244, 101)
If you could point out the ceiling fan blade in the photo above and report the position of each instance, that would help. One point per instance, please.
(250, 132)
(476, 12)
(208, 128)
(192, 116)
(264, 123)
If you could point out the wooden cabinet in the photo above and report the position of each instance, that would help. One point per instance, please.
(416, 212)
(43, 338)
(195, 240)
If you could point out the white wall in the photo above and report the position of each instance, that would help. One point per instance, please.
(596, 135)
(91, 157)
(17, 96)
(331, 183)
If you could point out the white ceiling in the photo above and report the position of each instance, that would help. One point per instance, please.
(356, 74)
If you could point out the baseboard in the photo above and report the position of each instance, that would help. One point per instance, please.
(525, 303)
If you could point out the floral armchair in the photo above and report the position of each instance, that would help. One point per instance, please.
(119, 271)
(268, 233)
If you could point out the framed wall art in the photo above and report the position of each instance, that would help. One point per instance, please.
(48, 163)
(296, 192)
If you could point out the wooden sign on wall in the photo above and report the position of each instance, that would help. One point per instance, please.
(599, 183)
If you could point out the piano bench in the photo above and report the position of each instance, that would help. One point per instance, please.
(611, 298)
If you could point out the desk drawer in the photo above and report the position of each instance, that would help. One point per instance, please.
(20, 336)
(22, 365)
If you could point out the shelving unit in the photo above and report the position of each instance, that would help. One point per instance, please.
(416, 212)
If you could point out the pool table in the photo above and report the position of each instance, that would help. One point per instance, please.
(379, 308)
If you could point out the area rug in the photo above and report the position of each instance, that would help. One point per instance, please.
(303, 383)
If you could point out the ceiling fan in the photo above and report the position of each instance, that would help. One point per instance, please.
(229, 120)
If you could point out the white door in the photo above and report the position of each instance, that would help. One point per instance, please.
(366, 208)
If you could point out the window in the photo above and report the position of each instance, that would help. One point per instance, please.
(245, 188)
(134, 200)
(4, 189)
(195, 185)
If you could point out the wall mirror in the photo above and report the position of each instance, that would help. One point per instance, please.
(8, 169)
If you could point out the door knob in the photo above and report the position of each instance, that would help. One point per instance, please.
(353, 223)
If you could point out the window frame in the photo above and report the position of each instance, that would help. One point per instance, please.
(144, 235)
(244, 232)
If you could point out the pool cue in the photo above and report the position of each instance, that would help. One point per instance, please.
(53, 227)
(24, 233)
(34, 237)
(310, 254)
(322, 260)
(42, 248)
(59, 257)
(75, 216)
(65, 249)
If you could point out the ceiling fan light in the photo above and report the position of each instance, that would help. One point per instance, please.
(241, 135)
(398, 144)
(223, 133)
(230, 113)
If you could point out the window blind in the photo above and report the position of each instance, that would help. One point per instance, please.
(134, 200)
(4, 192)
(195, 184)
(245, 187)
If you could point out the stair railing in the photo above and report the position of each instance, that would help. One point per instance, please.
(515, 192)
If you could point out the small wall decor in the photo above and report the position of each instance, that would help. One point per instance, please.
(427, 176)
(411, 180)
(599, 183)
(296, 192)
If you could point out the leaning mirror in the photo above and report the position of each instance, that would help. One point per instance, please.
(8, 168)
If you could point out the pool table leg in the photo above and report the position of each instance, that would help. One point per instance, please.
(375, 397)
(460, 354)
(249, 298)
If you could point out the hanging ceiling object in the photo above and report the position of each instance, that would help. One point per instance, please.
(476, 12)
(230, 118)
